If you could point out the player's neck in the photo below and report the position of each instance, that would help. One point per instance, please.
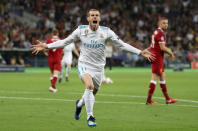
(94, 28)
(160, 29)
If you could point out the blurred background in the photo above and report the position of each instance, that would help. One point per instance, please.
(24, 21)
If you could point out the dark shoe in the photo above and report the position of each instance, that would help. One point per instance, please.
(60, 79)
(91, 121)
(77, 112)
(66, 79)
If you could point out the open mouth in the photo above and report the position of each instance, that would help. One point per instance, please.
(95, 21)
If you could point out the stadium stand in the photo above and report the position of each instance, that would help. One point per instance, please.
(24, 21)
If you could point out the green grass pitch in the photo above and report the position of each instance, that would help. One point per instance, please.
(27, 105)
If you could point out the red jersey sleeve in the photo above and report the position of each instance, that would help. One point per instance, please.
(161, 38)
(48, 41)
(158, 37)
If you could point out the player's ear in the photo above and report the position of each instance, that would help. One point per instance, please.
(88, 19)
(99, 19)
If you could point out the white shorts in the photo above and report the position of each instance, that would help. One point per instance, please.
(64, 62)
(96, 74)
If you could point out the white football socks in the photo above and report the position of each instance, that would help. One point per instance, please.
(67, 71)
(89, 102)
(61, 73)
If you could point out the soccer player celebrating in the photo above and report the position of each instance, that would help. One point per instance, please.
(67, 61)
(92, 57)
(54, 60)
(158, 48)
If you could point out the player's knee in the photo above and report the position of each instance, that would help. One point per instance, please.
(90, 86)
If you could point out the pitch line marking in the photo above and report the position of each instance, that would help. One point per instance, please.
(102, 102)
(161, 98)
(111, 95)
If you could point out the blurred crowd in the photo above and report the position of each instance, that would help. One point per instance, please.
(134, 22)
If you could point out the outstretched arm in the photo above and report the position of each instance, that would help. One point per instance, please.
(147, 54)
(39, 46)
(124, 46)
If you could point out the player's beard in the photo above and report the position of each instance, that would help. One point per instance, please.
(94, 27)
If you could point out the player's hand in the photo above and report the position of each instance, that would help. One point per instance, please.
(39, 46)
(148, 55)
(45, 53)
(172, 56)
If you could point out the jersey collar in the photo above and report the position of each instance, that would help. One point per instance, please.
(160, 29)
(92, 30)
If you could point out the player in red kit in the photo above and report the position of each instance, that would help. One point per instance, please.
(158, 48)
(54, 60)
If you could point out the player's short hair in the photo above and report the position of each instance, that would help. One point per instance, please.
(55, 32)
(91, 10)
(160, 19)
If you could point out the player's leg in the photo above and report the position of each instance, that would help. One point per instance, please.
(51, 77)
(87, 80)
(163, 86)
(55, 76)
(57, 68)
(62, 70)
(54, 80)
(110, 63)
(80, 103)
(89, 98)
(97, 81)
(151, 90)
(164, 89)
(68, 68)
(51, 67)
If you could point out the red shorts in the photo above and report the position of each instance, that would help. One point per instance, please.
(158, 68)
(54, 64)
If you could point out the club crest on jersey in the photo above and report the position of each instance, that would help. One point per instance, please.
(162, 38)
(86, 31)
(101, 36)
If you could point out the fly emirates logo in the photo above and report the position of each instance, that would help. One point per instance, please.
(93, 44)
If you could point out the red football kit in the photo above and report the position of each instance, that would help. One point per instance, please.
(158, 37)
(54, 55)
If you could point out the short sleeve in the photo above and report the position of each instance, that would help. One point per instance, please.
(161, 38)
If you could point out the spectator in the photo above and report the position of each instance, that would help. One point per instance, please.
(127, 18)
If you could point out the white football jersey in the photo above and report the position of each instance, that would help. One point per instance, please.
(92, 48)
(68, 51)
